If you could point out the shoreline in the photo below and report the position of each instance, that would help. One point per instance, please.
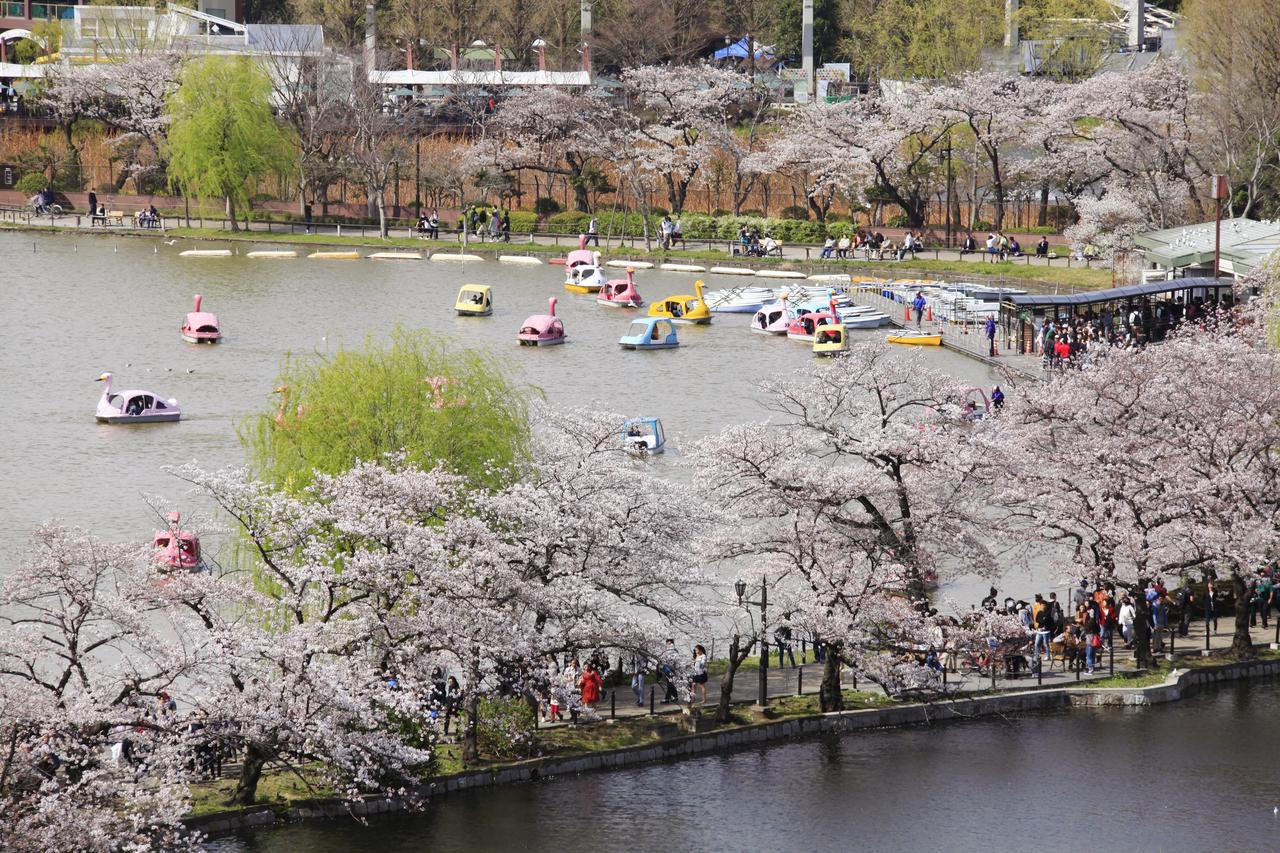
(964, 270)
(1179, 684)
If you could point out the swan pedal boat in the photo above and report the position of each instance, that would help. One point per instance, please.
(643, 436)
(542, 330)
(919, 339)
(584, 278)
(650, 333)
(803, 328)
(683, 308)
(134, 406)
(620, 292)
(474, 300)
(177, 549)
(772, 319)
(200, 327)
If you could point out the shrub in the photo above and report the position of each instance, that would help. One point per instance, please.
(545, 207)
(31, 183)
(720, 211)
(569, 222)
(660, 212)
(524, 220)
(983, 225)
(505, 728)
(753, 212)
(899, 221)
(794, 211)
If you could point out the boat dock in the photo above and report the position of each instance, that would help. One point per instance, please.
(967, 337)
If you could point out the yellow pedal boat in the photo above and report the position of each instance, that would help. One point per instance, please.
(474, 300)
(918, 339)
(683, 308)
(830, 339)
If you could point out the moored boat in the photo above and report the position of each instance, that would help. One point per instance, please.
(830, 339)
(915, 338)
(803, 327)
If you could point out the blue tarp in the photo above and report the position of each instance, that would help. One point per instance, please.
(739, 51)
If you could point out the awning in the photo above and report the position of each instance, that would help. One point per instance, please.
(12, 69)
(1114, 294)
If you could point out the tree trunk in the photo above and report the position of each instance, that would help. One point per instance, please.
(737, 655)
(829, 696)
(246, 792)
(1042, 217)
(380, 198)
(471, 738)
(1241, 642)
(231, 214)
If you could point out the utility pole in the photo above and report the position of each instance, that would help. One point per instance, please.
(762, 697)
(1219, 193)
(806, 47)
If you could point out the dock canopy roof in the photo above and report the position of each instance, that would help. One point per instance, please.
(1114, 294)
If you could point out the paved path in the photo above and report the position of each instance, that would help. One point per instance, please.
(619, 245)
(789, 681)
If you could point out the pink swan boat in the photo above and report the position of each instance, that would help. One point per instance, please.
(177, 548)
(201, 327)
(580, 255)
(134, 406)
(620, 292)
(542, 330)
(772, 319)
(802, 328)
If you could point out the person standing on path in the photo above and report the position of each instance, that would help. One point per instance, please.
(698, 680)
(593, 233)
(1210, 607)
(782, 639)
(670, 659)
(1044, 626)
(637, 679)
(991, 336)
(918, 305)
(495, 226)
(1127, 615)
(591, 684)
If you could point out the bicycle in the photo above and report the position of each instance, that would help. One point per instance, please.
(46, 209)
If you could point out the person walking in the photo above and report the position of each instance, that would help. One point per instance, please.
(1127, 614)
(698, 680)
(918, 305)
(1044, 627)
(593, 233)
(1184, 598)
(1092, 642)
(590, 684)
(495, 226)
(670, 658)
(991, 336)
(782, 639)
(637, 679)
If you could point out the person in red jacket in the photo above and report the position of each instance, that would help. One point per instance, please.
(591, 684)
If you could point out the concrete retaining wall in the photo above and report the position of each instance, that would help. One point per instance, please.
(1180, 683)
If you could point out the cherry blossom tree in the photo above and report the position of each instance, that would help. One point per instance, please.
(1181, 472)
(86, 646)
(549, 131)
(848, 505)
(994, 107)
(672, 110)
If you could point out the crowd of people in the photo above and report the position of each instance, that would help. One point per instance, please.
(752, 245)
(1069, 341)
(874, 245)
(1001, 247)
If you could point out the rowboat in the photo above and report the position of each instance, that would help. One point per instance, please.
(913, 338)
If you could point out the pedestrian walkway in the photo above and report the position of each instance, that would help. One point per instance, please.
(805, 679)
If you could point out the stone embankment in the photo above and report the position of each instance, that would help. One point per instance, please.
(1179, 684)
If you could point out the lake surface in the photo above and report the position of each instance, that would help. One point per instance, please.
(72, 307)
(1200, 774)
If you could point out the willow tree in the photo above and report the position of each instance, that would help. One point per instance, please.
(416, 395)
(223, 135)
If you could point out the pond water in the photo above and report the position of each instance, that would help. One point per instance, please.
(72, 307)
(1197, 775)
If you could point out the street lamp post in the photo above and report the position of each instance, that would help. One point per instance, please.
(740, 587)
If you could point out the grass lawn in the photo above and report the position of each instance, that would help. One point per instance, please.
(276, 789)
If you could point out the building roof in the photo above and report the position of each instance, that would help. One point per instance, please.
(482, 77)
(1113, 294)
(1245, 242)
